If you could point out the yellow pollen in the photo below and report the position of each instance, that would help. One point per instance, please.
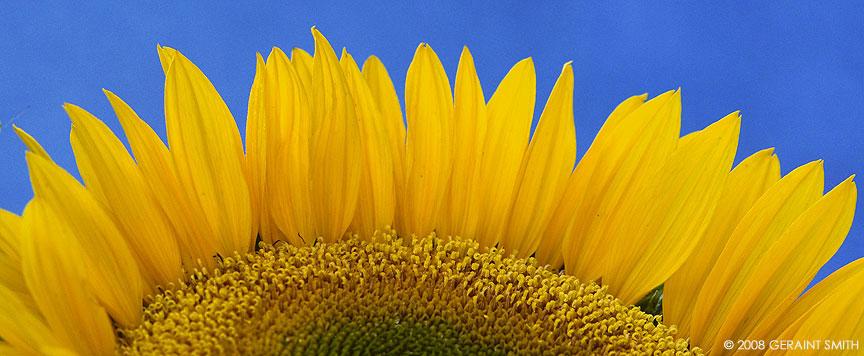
(392, 296)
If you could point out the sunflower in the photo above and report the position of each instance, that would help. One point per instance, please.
(337, 231)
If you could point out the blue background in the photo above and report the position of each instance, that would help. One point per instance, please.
(795, 72)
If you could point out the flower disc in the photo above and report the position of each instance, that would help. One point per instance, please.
(391, 296)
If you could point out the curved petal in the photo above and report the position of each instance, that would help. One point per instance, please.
(836, 322)
(549, 252)
(287, 120)
(31, 143)
(376, 203)
(791, 262)
(789, 319)
(508, 114)
(429, 147)
(335, 148)
(20, 326)
(64, 285)
(302, 62)
(112, 270)
(256, 154)
(10, 229)
(470, 121)
(543, 175)
(631, 145)
(758, 230)
(112, 177)
(193, 234)
(744, 185)
(652, 234)
(208, 154)
(391, 113)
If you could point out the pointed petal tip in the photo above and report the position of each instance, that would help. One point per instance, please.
(666, 95)
(567, 74)
(31, 143)
(32, 158)
(278, 51)
(734, 116)
(74, 112)
(111, 96)
(813, 166)
(847, 186)
(161, 48)
(68, 107)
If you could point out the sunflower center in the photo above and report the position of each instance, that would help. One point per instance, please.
(390, 296)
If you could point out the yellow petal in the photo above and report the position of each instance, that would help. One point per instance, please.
(287, 120)
(545, 169)
(10, 257)
(112, 177)
(631, 145)
(744, 185)
(789, 319)
(30, 142)
(208, 154)
(429, 109)
(11, 277)
(21, 326)
(10, 229)
(836, 322)
(509, 115)
(391, 113)
(62, 281)
(549, 252)
(6, 349)
(302, 62)
(759, 229)
(58, 351)
(335, 147)
(791, 262)
(256, 157)
(376, 202)
(655, 226)
(166, 56)
(112, 272)
(191, 230)
(469, 133)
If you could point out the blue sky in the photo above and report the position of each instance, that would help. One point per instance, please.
(795, 72)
